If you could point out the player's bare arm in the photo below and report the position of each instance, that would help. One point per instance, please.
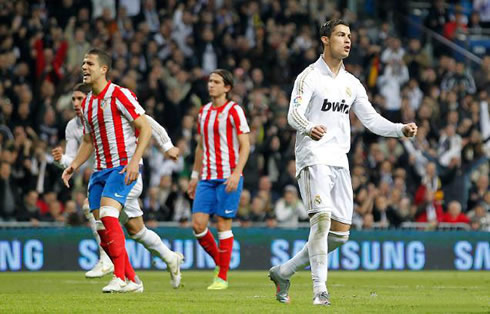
(84, 152)
(132, 169)
(196, 170)
(233, 180)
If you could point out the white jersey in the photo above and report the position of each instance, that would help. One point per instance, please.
(73, 137)
(319, 98)
(74, 134)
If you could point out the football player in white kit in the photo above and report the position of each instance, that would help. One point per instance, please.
(132, 215)
(323, 95)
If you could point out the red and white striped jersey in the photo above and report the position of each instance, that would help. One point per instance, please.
(219, 128)
(107, 118)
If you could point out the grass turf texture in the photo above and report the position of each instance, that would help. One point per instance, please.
(249, 292)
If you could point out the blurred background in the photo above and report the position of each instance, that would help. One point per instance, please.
(422, 61)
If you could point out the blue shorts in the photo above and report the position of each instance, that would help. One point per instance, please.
(108, 183)
(211, 198)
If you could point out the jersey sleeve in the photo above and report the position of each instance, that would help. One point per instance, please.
(160, 134)
(71, 148)
(86, 126)
(128, 104)
(371, 119)
(239, 120)
(300, 99)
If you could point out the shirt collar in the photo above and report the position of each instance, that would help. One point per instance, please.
(324, 68)
(102, 93)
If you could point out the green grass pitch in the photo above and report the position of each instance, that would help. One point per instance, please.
(249, 292)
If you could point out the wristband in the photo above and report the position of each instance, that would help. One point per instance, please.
(194, 174)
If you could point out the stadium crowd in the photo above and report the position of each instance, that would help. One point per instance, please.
(164, 50)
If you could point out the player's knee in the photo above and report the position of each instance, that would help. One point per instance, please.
(199, 233)
(322, 220)
(198, 227)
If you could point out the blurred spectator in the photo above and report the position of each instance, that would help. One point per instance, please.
(384, 214)
(73, 217)
(394, 53)
(182, 203)
(289, 209)
(258, 210)
(454, 214)
(152, 208)
(477, 191)
(244, 208)
(429, 210)
(459, 81)
(416, 59)
(480, 217)
(9, 194)
(394, 76)
(455, 28)
(450, 145)
(30, 211)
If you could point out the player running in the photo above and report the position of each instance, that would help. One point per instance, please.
(216, 181)
(323, 95)
(132, 216)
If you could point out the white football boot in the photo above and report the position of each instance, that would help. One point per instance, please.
(174, 270)
(322, 298)
(103, 267)
(135, 286)
(116, 285)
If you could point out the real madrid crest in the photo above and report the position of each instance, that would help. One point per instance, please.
(318, 199)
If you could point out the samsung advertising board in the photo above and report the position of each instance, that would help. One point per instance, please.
(254, 249)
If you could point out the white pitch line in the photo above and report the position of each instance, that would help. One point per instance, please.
(77, 282)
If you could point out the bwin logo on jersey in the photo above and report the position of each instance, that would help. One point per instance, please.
(335, 106)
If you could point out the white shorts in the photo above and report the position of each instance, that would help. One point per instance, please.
(327, 188)
(132, 207)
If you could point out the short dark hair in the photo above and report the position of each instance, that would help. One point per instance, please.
(327, 28)
(83, 88)
(104, 58)
(226, 75)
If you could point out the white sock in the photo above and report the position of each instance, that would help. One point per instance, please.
(93, 226)
(152, 242)
(318, 250)
(336, 239)
(297, 262)
(302, 258)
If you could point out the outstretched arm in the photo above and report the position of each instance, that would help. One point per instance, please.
(375, 122)
(159, 133)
